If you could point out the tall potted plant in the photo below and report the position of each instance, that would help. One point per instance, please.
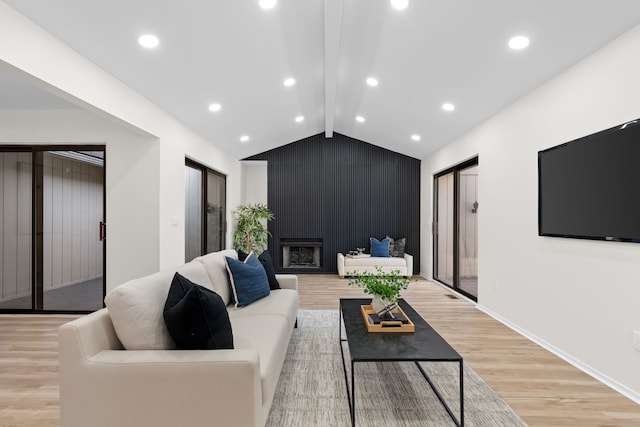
(251, 227)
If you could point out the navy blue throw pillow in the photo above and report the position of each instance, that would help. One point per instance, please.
(267, 263)
(248, 279)
(378, 248)
(196, 317)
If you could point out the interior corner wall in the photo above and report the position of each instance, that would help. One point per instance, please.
(578, 298)
(52, 65)
(344, 191)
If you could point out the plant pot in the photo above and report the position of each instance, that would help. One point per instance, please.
(380, 304)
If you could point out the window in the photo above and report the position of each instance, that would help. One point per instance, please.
(205, 210)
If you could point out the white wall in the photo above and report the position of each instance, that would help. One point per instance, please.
(51, 64)
(255, 178)
(578, 297)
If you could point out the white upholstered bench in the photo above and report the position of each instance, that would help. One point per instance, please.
(350, 265)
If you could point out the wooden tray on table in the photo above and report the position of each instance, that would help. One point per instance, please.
(402, 323)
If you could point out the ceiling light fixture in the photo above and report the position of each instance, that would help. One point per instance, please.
(267, 4)
(289, 82)
(400, 4)
(244, 138)
(447, 106)
(148, 40)
(415, 137)
(299, 119)
(519, 42)
(371, 81)
(360, 119)
(215, 107)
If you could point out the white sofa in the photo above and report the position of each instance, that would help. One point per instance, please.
(347, 266)
(150, 383)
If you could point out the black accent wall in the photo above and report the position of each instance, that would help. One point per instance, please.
(343, 191)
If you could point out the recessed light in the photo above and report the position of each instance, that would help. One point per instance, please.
(400, 4)
(244, 138)
(148, 40)
(519, 42)
(415, 137)
(447, 106)
(267, 4)
(360, 119)
(372, 81)
(299, 119)
(215, 107)
(289, 82)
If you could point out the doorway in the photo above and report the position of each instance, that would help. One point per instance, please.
(52, 246)
(455, 242)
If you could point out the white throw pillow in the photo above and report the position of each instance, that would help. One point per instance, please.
(135, 307)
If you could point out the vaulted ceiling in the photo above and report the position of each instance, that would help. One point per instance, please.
(236, 54)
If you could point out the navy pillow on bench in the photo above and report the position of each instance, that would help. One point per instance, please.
(196, 317)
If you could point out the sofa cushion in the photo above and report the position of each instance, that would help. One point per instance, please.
(136, 307)
(281, 302)
(379, 248)
(396, 246)
(249, 281)
(216, 268)
(375, 262)
(267, 263)
(196, 317)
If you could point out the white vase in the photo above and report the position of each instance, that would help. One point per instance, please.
(378, 303)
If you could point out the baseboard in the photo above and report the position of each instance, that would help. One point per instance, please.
(599, 376)
(620, 388)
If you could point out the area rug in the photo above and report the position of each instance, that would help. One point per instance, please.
(312, 392)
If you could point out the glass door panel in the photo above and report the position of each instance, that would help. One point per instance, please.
(72, 249)
(444, 242)
(468, 230)
(193, 212)
(15, 230)
(216, 202)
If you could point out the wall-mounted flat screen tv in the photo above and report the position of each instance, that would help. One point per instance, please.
(589, 188)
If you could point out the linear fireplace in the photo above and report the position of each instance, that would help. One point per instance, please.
(302, 253)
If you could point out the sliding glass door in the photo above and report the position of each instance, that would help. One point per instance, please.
(51, 228)
(205, 207)
(456, 228)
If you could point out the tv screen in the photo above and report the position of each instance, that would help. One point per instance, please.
(589, 188)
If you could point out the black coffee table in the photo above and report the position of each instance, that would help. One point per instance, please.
(423, 345)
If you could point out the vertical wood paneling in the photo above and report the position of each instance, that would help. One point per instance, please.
(344, 191)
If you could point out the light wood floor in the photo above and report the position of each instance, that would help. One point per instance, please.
(541, 388)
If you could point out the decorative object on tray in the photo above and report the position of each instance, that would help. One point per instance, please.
(386, 289)
(360, 251)
(376, 323)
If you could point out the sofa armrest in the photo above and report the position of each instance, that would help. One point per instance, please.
(409, 260)
(160, 387)
(288, 281)
(340, 264)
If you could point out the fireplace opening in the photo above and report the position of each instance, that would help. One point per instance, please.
(301, 253)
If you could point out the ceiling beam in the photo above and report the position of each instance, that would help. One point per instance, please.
(332, 28)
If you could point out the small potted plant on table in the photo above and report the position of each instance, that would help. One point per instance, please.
(385, 287)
